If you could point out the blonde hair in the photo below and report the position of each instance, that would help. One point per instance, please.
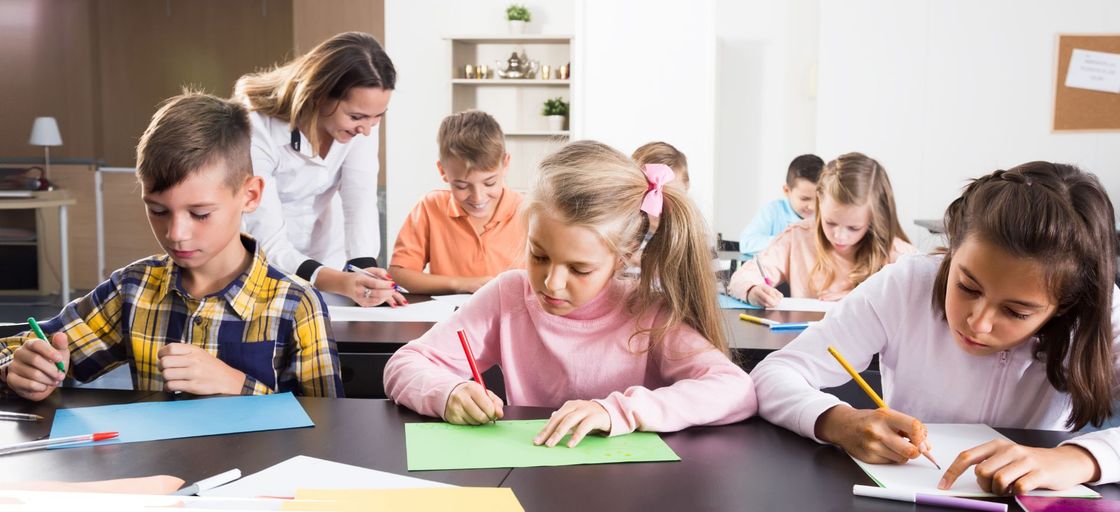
(474, 137)
(590, 184)
(663, 153)
(294, 92)
(857, 179)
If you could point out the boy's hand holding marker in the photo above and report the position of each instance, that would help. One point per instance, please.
(39, 366)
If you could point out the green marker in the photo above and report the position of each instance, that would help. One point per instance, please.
(39, 333)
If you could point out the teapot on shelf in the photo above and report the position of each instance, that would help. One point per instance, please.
(517, 66)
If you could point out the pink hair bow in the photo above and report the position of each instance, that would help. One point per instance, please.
(657, 175)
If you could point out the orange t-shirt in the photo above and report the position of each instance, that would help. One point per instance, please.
(439, 234)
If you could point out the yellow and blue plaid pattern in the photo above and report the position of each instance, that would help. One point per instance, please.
(269, 325)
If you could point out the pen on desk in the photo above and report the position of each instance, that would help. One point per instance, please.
(935, 500)
(44, 443)
(760, 321)
(209, 483)
(871, 393)
(792, 326)
(470, 358)
(39, 332)
(19, 416)
(352, 268)
(763, 272)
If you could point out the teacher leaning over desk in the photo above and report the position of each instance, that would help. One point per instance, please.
(314, 141)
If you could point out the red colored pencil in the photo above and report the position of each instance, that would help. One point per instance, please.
(470, 358)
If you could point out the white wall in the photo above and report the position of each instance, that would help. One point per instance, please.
(766, 105)
(414, 32)
(647, 73)
(943, 90)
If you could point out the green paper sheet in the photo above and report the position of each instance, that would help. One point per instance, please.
(509, 444)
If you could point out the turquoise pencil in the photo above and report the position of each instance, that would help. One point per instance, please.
(39, 332)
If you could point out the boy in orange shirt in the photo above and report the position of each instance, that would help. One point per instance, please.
(472, 232)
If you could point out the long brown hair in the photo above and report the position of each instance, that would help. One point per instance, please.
(294, 92)
(857, 179)
(590, 184)
(1060, 217)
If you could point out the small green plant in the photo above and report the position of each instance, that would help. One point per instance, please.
(555, 107)
(518, 13)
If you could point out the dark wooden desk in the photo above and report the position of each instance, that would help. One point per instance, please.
(367, 433)
(751, 465)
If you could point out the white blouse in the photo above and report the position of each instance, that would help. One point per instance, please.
(316, 210)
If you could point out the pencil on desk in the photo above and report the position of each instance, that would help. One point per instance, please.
(760, 321)
(19, 416)
(871, 393)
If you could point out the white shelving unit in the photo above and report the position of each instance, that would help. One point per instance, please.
(515, 103)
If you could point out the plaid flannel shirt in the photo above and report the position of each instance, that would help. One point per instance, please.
(269, 325)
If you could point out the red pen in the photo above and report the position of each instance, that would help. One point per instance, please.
(470, 358)
(763, 272)
(44, 443)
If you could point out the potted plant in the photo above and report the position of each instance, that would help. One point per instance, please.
(518, 16)
(556, 112)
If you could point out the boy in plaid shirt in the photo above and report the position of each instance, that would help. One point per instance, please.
(210, 316)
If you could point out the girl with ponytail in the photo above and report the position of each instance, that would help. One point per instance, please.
(571, 332)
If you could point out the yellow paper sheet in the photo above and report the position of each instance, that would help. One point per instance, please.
(449, 499)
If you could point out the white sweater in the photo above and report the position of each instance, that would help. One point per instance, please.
(925, 374)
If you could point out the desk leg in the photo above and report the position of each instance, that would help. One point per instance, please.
(64, 244)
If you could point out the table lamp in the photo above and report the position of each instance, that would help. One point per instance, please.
(45, 133)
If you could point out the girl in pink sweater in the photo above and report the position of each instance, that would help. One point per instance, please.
(1016, 326)
(854, 234)
(613, 355)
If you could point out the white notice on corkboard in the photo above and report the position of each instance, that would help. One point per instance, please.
(1096, 71)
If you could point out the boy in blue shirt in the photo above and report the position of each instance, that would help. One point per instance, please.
(799, 202)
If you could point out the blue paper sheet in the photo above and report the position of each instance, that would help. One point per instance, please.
(726, 302)
(151, 421)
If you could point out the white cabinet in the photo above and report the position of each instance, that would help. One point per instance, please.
(516, 103)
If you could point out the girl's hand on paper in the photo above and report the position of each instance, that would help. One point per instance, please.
(189, 368)
(875, 436)
(1004, 467)
(471, 404)
(33, 373)
(577, 417)
(765, 296)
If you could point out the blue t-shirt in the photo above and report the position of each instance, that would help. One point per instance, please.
(773, 218)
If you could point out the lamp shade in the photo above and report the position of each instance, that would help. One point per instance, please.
(45, 132)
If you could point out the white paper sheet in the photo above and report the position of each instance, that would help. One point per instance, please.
(305, 472)
(430, 311)
(792, 304)
(1096, 71)
(949, 440)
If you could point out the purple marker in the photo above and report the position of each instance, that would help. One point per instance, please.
(936, 500)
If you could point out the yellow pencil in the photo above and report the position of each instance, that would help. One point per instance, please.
(754, 319)
(871, 393)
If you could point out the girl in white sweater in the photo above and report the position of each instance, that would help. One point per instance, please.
(1016, 326)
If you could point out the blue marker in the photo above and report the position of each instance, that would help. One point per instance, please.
(795, 326)
(352, 268)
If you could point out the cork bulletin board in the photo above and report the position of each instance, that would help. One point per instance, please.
(1082, 109)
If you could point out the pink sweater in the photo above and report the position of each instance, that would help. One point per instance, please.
(588, 354)
(790, 259)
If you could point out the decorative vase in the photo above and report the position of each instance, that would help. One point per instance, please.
(555, 123)
(516, 27)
